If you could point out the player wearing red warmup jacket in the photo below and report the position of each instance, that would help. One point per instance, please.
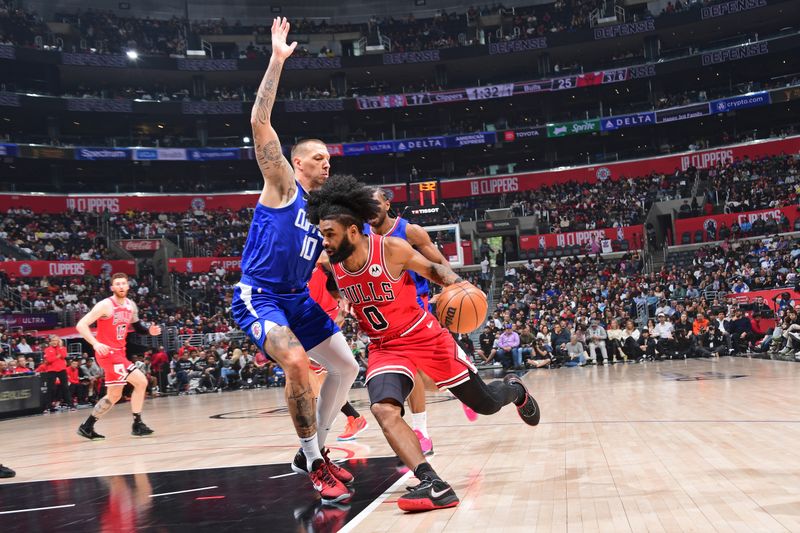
(54, 367)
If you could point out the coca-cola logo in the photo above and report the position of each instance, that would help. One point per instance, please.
(140, 245)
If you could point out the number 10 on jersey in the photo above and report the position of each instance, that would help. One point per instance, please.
(309, 247)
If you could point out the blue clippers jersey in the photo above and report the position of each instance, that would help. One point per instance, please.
(282, 246)
(399, 230)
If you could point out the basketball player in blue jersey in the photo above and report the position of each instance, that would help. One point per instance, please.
(417, 237)
(271, 303)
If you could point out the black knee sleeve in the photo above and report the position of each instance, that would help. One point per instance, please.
(390, 386)
(482, 398)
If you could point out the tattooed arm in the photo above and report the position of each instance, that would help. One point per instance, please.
(279, 185)
(421, 242)
(401, 256)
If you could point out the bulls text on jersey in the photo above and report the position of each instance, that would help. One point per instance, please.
(359, 294)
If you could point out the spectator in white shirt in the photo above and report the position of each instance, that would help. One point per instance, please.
(723, 325)
(663, 334)
(23, 346)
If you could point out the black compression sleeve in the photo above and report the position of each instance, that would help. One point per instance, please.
(141, 327)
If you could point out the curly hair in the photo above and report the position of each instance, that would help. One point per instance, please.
(342, 198)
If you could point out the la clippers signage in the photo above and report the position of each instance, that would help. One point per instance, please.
(140, 245)
(710, 225)
(41, 269)
(457, 188)
(93, 204)
(708, 159)
(587, 239)
(204, 264)
(493, 186)
(465, 187)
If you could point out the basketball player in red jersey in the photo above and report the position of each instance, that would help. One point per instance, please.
(318, 289)
(383, 224)
(114, 316)
(372, 274)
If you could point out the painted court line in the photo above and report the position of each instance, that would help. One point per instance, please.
(37, 509)
(338, 461)
(371, 507)
(283, 475)
(183, 491)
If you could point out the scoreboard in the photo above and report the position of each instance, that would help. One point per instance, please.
(425, 193)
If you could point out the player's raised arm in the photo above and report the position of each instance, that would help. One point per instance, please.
(276, 170)
(400, 253)
(421, 241)
(100, 310)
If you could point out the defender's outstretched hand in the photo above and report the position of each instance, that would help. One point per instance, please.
(280, 30)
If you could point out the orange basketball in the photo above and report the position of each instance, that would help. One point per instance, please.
(461, 308)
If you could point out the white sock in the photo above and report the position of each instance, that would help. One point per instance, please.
(419, 421)
(311, 450)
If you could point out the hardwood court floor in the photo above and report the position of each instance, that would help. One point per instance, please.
(693, 445)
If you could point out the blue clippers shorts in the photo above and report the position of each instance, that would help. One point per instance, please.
(257, 310)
